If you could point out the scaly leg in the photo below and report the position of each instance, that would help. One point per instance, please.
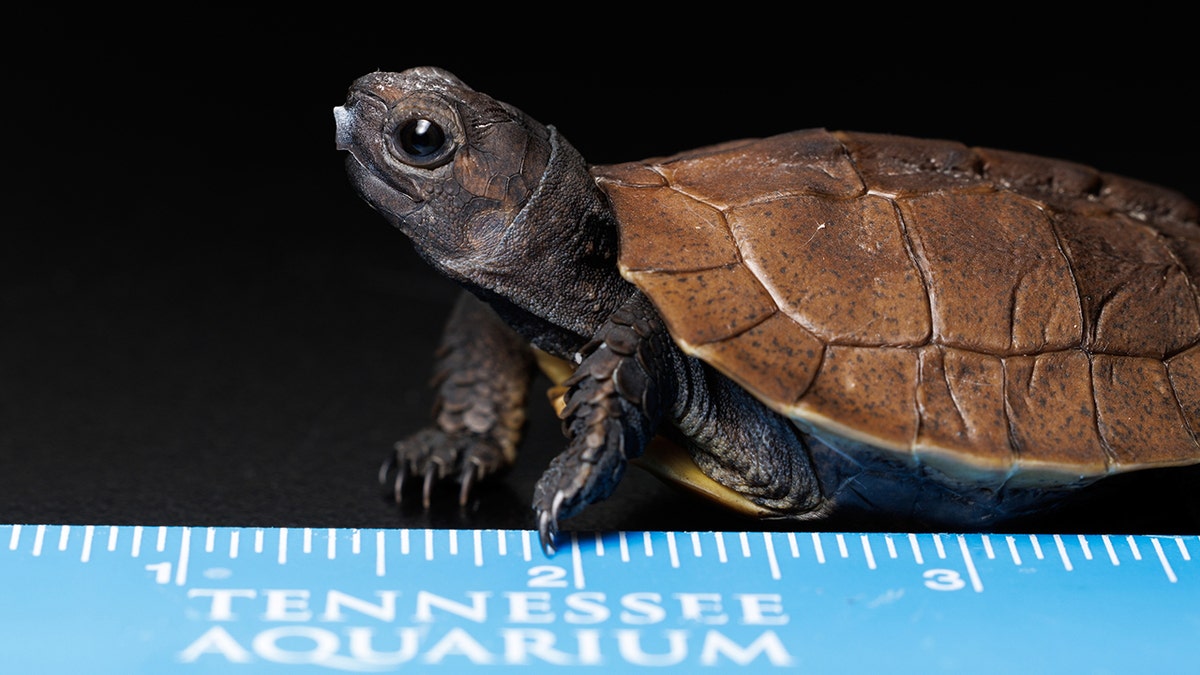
(482, 377)
(631, 379)
(614, 403)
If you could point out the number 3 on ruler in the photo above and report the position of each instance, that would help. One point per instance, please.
(943, 580)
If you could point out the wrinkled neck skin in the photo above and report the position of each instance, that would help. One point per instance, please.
(553, 275)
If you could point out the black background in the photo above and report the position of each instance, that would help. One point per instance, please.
(201, 324)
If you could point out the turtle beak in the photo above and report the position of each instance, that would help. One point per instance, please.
(345, 126)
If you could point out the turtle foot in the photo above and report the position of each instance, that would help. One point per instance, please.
(432, 456)
(576, 478)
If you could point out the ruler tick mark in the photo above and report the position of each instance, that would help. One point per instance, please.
(1087, 548)
(987, 548)
(1012, 549)
(501, 542)
(64, 533)
(769, 543)
(820, 550)
(39, 537)
(283, 537)
(525, 549)
(356, 541)
(791, 536)
(1062, 553)
(234, 536)
(576, 561)
(161, 544)
(136, 549)
(428, 544)
(1162, 558)
(599, 545)
(916, 548)
(672, 550)
(1183, 551)
(404, 542)
(331, 544)
(648, 545)
(1112, 552)
(14, 539)
(210, 539)
(624, 545)
(307, 540)
(88, 532)
(721, 555)
(477, 536)
(976, 582)
(696, 552)
(841, 542)
(745, 544)
(1133, 547)
(453, 542)
(866, 546)
(258, 540)
(380, 554)
(939, 547)
(185, 546)
(1037, 547)
(891, 546)
(112, 537)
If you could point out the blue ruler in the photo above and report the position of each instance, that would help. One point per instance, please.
(101, 599)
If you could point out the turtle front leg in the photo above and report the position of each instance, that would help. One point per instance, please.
(482, 375)
(614, 403)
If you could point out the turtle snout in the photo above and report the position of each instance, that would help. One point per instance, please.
(345, 127)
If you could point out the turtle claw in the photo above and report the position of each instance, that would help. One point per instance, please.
(548, 525)
(431, 473)
(466, 482)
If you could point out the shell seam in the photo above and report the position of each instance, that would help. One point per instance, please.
(1110, 455)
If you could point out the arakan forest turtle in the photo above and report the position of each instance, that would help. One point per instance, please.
(823, 322)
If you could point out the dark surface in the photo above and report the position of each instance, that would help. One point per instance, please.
(202, 324)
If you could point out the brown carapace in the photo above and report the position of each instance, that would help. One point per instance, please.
(1006, 318)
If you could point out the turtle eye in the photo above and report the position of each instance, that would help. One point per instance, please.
(422, 142)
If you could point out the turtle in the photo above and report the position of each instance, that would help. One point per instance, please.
(799, 326)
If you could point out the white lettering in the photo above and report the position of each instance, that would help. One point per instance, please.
(642, 608)
(458, 641)
(629, 643)
(215, 640)
(362, 648)
(589, 647)
(716, 644)
(384, 611)
(521, 643)
(757, 606)
(221, 608)
(522, 606)
(324, 644)
(287, 605)
(476, 612)
(586, 607)
(693, 606)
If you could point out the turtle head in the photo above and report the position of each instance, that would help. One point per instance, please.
(448, 166)
(490, 197)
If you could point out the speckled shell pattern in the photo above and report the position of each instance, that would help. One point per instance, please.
(1002, 318)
